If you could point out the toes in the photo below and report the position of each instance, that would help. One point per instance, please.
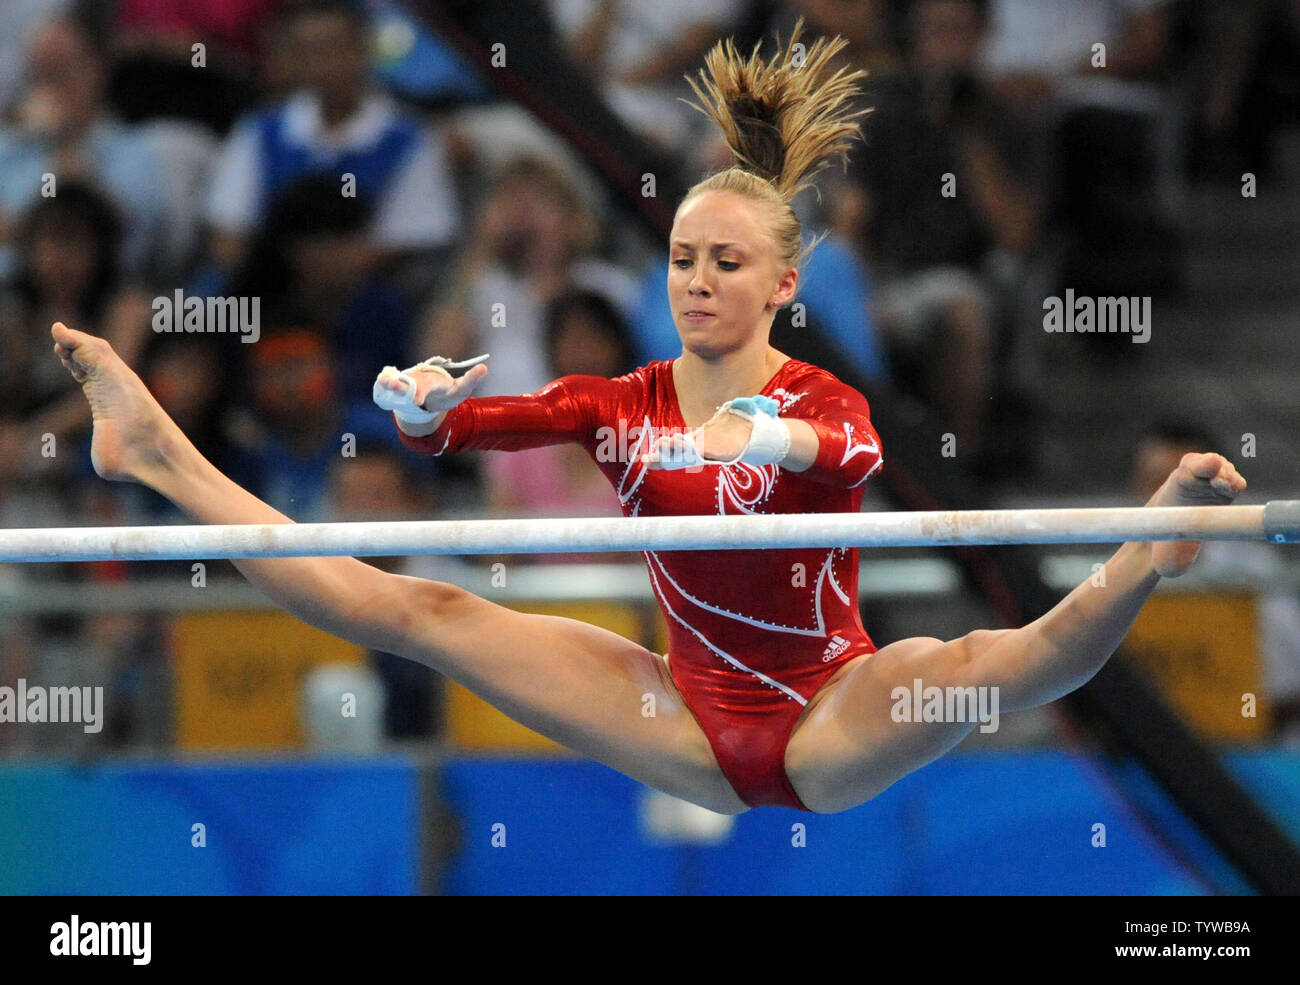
(65, 357)
(1197, 470)
(70, 337)
(1203, 465)
(1234, 478)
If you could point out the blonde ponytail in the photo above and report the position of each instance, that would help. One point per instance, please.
(785, 119)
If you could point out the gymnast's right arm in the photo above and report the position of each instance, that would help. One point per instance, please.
(435, 414)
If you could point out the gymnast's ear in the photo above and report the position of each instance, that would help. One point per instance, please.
(785, 289)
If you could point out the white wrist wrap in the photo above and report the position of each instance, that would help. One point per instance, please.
(403, 404)
(769, 441)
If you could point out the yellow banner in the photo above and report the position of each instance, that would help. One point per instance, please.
(239, 677)
(1203, 653)
(472, 723)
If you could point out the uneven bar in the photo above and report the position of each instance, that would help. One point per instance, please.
(668, 533)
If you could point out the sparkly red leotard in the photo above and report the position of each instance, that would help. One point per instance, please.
(752, 634)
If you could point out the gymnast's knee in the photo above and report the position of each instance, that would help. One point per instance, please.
(415, 607)
(970, 659)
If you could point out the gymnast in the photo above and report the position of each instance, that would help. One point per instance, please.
(771, 692)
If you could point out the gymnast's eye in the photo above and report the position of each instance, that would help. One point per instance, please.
(681, 263)
(728, 265)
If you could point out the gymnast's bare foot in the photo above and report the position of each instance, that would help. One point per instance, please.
(134, 439)
(1201, 479)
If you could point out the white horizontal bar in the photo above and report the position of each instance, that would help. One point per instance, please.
(692, 533)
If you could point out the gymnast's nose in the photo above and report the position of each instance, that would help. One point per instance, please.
(700, 284)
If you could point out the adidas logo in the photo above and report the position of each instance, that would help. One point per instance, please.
(835, 647)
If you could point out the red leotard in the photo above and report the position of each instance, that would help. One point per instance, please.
(752, 634)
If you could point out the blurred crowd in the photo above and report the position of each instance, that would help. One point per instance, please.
(361, 178)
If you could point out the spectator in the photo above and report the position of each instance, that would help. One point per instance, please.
(585, 336)
(337, 125)
(638, 53)
(297, 428)
(186, 375)
(67, 271)
(64, 133)
(1251, 89)
(312, 260)
(1113, 124)
(949, 185)
(155, 73)
(865, 24)
(532, 241)
(1040, 49)
(17, 19)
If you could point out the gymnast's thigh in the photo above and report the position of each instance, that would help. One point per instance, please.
(847, 746)
(585, 687)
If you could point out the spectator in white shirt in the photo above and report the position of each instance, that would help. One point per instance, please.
(336, 123)
(638, 52)
(64, 132)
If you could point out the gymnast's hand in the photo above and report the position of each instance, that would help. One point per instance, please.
(424, 387)
(721, 438)
(1201, 479)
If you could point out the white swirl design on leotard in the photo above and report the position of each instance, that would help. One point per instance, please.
(830, 576)
(824, 575)
(854, 448)
(744, 486)
(740, 489)
(769, 681)
(786, 398)
(635, 471)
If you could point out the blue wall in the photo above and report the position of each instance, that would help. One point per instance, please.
(969, 823)
(324, 826)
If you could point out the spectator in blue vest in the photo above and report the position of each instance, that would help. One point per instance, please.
(336, 124)
(311, 261)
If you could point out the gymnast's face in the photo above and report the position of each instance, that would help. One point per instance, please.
(725, 278)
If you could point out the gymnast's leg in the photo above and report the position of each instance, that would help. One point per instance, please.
(847, 747)
(580, 685)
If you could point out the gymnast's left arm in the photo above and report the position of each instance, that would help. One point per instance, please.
(825, 433)
(832, 439)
